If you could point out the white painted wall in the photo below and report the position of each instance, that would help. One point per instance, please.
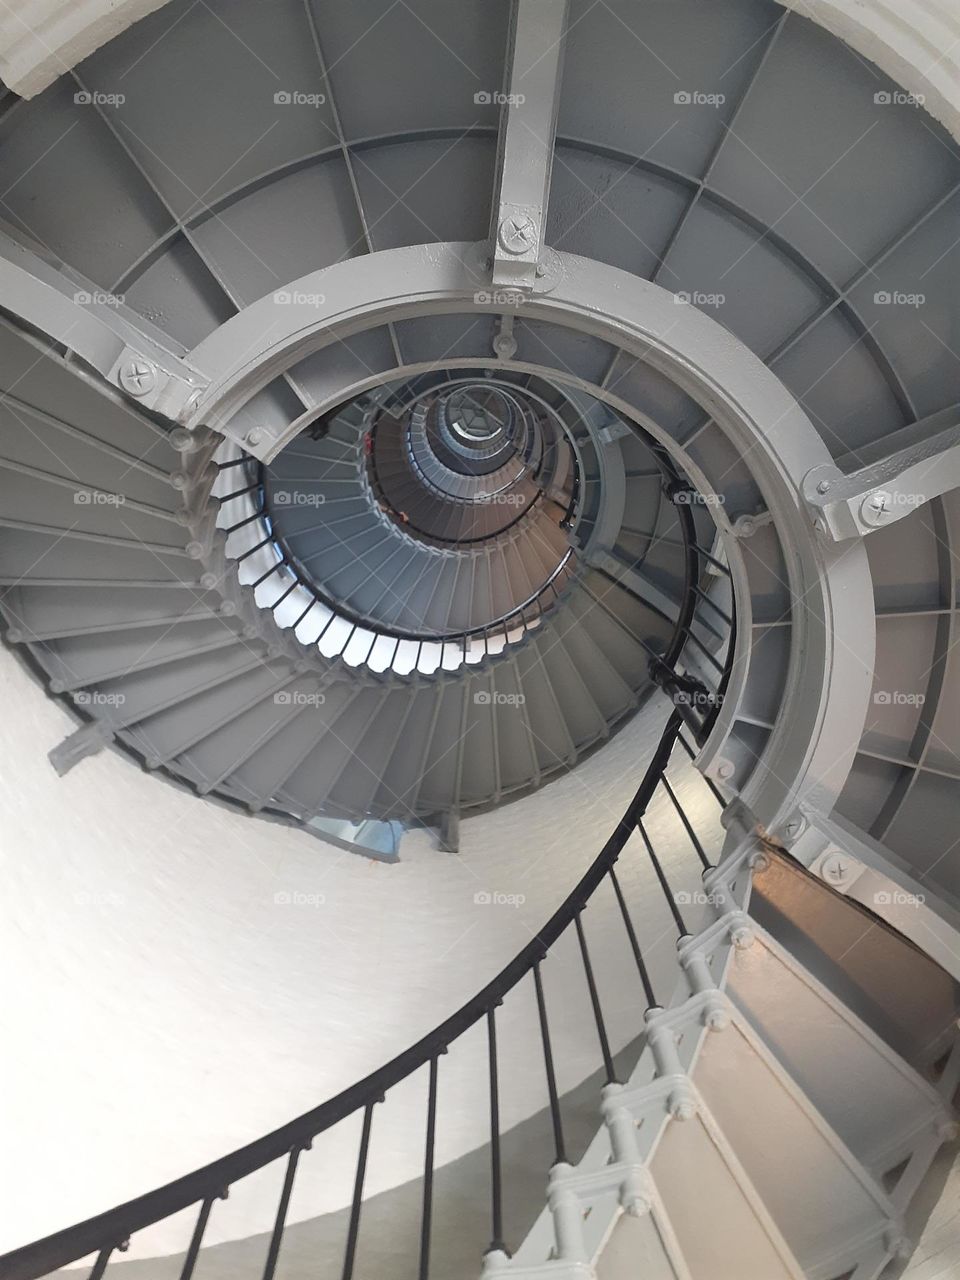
(41, 39)
(168, 1009)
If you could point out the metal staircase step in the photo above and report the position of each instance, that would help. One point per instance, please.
(873, 1100)
(827, 1206)
(263, 775)
(718, 1223)
(647, 1246)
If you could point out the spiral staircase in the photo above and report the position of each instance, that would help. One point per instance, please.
(405, 408)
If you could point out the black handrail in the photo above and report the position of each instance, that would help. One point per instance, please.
(110, 1231)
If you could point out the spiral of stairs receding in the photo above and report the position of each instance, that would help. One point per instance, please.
(423, 606)
(774, 209)
(198, 680)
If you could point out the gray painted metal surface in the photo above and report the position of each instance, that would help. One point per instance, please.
(528, 123)
(752, 173)
(891, 487)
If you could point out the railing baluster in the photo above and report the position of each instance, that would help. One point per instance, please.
(232, 528)
(280, 599)
(100, 1266)
(426, 1220)
(256, 547)
(714, 662)
(273, 1253)
(238, 493)
(354, 1229)
(555, 1116)
(711, 559)
(671, 900)
(686, 822)
(264, 576)
(196, 1239)
(303, 615)
(715, 607)
(652, 1002)
(595, 1001)
(496, 1186)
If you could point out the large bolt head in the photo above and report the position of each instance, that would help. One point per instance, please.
(517, 233)
(138, 377)
(835, 868)
(505, 346)
(877, 508)
(681, 1107)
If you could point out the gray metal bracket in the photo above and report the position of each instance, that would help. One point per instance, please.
(100, 329)
(448, 833)
(89, 740)
(860, 868)
(528, 125)
(849, 505)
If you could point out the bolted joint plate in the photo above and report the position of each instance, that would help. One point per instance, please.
(172, 393)
(518, 244)
(889, 487)
(837, 868)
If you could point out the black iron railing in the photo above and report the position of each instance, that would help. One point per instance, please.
(109, 1233)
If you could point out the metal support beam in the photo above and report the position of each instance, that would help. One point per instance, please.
(528, 126)
(860, 868)
(926, 465)
(99, 329)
